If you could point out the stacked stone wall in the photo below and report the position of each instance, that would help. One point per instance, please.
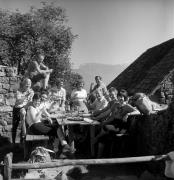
(8, 87)
(165, 92)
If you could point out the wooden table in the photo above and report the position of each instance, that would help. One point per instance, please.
(63, 120)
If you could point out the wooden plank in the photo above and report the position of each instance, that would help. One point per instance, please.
(8, 166)
(36, 137)
(67, 162)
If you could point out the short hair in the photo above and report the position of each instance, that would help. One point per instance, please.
(123, 93)
(79, 82)
(59, 81)
(98, 77)
(44, 91)
(36, 96)
(112, 89)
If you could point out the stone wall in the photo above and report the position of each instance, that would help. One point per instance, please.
(8, 87)
(165, 92)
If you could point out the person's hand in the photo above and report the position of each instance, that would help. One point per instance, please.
(50, 120)
(125, 118)
(93, 118)
(92, 84)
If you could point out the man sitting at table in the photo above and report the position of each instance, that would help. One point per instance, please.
(99, 103)
(101, 115)
(38, 127)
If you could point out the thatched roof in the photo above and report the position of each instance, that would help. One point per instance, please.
(148, 71)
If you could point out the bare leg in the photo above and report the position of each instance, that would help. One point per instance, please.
(22, 119)
(100, 150)
(102, 133)
(111, 128)
(71, 138)
(61, 136)
(45, 81)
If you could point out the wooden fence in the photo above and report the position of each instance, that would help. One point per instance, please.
(9, 166)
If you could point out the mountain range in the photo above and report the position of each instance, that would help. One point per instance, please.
(107, 72)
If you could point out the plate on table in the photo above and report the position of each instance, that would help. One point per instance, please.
(75, 119)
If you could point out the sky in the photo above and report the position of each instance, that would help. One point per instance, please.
(111, 31)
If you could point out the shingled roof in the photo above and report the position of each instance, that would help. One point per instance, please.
(148, 71)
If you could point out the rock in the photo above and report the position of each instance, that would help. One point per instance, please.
(5, 108)
(4, 80)
(10, 101)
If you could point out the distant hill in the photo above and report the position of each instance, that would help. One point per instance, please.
(108, 72)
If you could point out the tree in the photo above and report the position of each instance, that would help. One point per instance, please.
(44, 29)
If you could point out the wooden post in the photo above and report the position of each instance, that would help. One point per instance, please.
(8, 166)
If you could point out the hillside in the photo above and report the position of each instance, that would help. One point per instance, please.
(108, 72)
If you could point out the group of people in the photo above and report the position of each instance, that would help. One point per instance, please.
(110, 107)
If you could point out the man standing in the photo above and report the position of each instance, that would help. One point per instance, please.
(37, 71)
(100, 86)
(23, 96)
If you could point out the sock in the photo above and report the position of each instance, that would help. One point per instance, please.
(63, 142)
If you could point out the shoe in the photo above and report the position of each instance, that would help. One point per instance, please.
(67, 152)
(63, 156)
(66, 148)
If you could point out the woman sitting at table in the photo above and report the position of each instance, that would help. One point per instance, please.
(38, 127)
(78, 98)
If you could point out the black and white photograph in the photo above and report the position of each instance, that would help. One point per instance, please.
(87, 89)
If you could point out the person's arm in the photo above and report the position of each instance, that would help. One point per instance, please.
(47, 114)
(40, 70)
(130, 111)
(63, 99)
(91, 88)
(43, 66)
(102, 115)
(30, 95)
(97, 112)
(109, 120)
(19, 97)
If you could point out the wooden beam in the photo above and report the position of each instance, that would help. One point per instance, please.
(67, 162)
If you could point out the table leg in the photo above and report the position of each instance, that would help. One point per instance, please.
(92, 136)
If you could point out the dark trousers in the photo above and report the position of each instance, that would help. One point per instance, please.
(15, 123)
(41, 128)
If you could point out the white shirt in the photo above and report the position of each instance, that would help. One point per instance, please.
(31, 115)
(60, 94)
(99, 105)
(77, 95)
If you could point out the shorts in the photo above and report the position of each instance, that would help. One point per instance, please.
(38, 77)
